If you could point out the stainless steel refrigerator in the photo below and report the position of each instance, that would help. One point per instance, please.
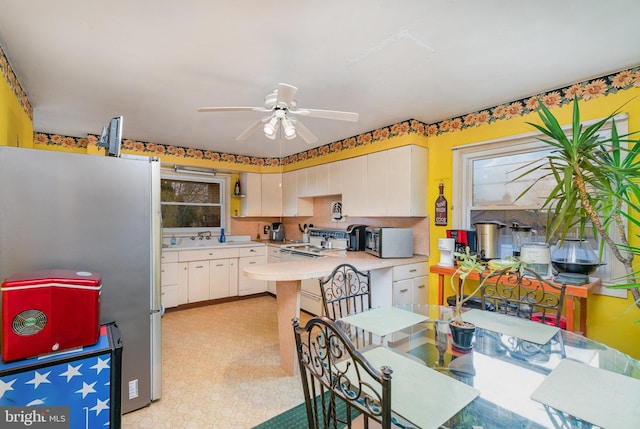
(92, 213)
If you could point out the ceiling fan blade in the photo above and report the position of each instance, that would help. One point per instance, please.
(327, 114)
(305, 133)
(251, 129)
(286, 93)
(233, 109)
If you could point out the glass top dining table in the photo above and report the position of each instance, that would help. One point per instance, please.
(569, 381)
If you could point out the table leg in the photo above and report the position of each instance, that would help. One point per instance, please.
(570, 314)
(288, 303)
(583, 315)
(440, 289)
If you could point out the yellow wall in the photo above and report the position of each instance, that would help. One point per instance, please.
(16, 126)
(610, 320)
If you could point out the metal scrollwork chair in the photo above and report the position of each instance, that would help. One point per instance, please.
(523, 294)
(345, 291)
(341, 388)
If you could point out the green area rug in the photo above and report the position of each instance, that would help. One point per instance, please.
(296, 417)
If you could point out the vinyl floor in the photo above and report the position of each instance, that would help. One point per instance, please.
(220, 369)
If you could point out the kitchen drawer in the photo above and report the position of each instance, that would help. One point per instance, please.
(169, 257)
(273, 252)
(252, 251)
(206, 254)
(402, 272)
(169, 274)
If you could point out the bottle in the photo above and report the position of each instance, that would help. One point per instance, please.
(441, 207)
(174, 241)
(222, 238)
(236, 190)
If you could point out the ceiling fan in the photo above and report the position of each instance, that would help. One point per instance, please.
(280, 103)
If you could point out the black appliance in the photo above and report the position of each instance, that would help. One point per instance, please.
(463, 238)
(277, 231)
(356, 237)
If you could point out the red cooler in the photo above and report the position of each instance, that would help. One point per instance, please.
(48, 311)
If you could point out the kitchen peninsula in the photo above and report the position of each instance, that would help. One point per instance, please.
(288, 275)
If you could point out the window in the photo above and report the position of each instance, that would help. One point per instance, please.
(484, 189)
(192, 203)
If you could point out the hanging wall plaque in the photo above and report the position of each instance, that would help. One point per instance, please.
(441, 207)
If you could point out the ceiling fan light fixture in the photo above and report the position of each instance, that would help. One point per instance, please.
(270, 128)
(288, 128)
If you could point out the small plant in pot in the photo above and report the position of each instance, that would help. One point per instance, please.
(461, 331)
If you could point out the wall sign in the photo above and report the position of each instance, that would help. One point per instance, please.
(441, 207)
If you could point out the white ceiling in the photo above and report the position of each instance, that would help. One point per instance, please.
(156, 61)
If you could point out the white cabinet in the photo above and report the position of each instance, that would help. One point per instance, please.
(273, 256)
(251, 204)
(198, 281)
(387, 183)
(172, 280)
(251, 256)
(410, 284)
(292, 204)
(335, 178)
(271, 194)
(354, 179)
(189, 276)
(219, 278)
(233, 277)
(407, 181)
(376, 184)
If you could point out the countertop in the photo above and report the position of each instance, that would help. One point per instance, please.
(314, 268)
(210, 244)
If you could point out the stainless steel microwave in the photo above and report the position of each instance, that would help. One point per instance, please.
(388, 242)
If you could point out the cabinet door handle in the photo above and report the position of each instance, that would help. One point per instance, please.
(199, 266)
(252, 250)
(403, 290)
(219, 265)
(421, 286)
(413, 271)
(251, 263)
(210, 254)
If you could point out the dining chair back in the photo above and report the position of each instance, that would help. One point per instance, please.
(523, 294)
(341, 388)
(345, 291)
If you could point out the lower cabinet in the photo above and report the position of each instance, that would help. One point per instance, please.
(189, 276)
(219, 278)
(198, 281)
(410, 284)
(273, 256)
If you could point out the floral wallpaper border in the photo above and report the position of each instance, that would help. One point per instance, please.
(14, 83)
(586, 90)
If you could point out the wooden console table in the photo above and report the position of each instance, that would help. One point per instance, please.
(577, 294)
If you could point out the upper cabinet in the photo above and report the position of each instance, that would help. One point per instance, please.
(272, 194)
(354, 181)
(251, 204)
(292, 204)
(263, 194)
(387, 183)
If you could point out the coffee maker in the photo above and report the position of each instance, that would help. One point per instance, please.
(463, 238)
(356, 237)
(446, 246)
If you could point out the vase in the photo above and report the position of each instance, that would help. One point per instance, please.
(462, 335)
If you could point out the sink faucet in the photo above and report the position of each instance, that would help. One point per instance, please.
(204, 234)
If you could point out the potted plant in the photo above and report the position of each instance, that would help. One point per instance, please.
(596, 180)
(461, 331)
